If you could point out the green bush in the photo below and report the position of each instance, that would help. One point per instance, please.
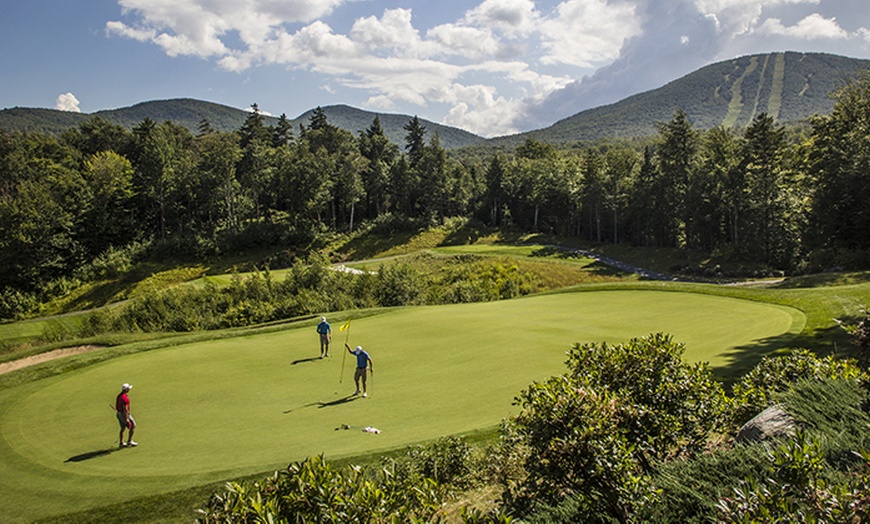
(448, 460)
(755, 390)
(315, 491)
(595, 433)
(829, 410)
(795, 485)
(398, 285)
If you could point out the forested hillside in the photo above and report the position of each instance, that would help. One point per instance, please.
(757, 197)
(193, 114)
(789, 87)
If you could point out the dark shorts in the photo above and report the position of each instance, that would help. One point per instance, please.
(124, 422)
(360, 373)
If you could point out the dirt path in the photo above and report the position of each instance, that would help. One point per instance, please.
(12, 365)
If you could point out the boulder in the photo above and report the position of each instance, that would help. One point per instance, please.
(770, 423)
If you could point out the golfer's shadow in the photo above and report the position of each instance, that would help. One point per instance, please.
(91, 454)
(303, 360)
(345, 400)
(321, 405)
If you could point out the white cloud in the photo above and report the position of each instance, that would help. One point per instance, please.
(511, 17)
(738, 17)
(67, 102)
(586, 33)
(460, 40)
(199, 27)
(812, 27)
(392, 30)
(498, 66)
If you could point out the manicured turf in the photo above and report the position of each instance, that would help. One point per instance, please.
(225, 408)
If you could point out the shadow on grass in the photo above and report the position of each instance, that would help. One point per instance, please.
(92, 455)
(320, 404)
(303, 360)
(344, 400)
(557, 252)
(372, 245)
(466, 235)
(828, 341)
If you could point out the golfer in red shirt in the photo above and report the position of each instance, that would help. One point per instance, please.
(125, 419)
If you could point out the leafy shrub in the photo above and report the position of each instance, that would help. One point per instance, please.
(315, 491)
(398, 285)
(861, 335)
(595, 432)
(754, 391)
(14, 303)
(114, 262)
(831, 412)
(794, 486)
(448, 460)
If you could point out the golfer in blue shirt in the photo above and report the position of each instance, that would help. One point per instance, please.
(325, 332)
(363, 361)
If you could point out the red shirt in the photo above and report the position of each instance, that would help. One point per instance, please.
(122, 403)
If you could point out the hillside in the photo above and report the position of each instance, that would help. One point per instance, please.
(355, 120)
(788, 86)
(190, 113)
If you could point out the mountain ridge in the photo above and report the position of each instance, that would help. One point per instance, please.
(790, 86)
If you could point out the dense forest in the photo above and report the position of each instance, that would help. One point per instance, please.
(765, 196)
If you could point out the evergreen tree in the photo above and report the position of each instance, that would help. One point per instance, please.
(841, 163)
(254, 128)
(283, 132)
(494, 195)
(379, 153)
(765, 219)
(415, 141)
(675, 154)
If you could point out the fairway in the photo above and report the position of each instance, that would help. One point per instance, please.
(214, 410)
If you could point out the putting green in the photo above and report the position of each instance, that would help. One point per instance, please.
(224, 408)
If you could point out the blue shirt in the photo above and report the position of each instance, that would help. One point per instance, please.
(322, 328)
(362, 358)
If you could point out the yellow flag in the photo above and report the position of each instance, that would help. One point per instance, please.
(346, 326)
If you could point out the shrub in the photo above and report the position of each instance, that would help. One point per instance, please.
(794, 486)
(448, 460)
(398, 285)
(315, 491)
(596, 432)
(829, 410)
(754, 391)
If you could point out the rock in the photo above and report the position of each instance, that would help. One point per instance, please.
(770, 423)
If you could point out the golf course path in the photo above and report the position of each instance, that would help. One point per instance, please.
(6, 367)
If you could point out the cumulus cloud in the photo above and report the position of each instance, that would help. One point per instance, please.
(587, 33)
(67, 102)
(812, 27)
(199, 27)
(501, 65)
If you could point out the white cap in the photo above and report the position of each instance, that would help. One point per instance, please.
(359, 348)
(323, 319)
(126, 387)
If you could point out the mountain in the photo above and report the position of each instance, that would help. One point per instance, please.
(355, 120)
(788, 86)
(190, 113)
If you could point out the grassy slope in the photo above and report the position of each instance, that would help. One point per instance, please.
(821, 304)
(216, 409)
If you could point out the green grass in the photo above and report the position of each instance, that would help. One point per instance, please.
(215, 409)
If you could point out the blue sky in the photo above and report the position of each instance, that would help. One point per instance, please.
(492, 67)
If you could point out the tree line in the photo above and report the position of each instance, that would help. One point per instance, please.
(781, 200)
